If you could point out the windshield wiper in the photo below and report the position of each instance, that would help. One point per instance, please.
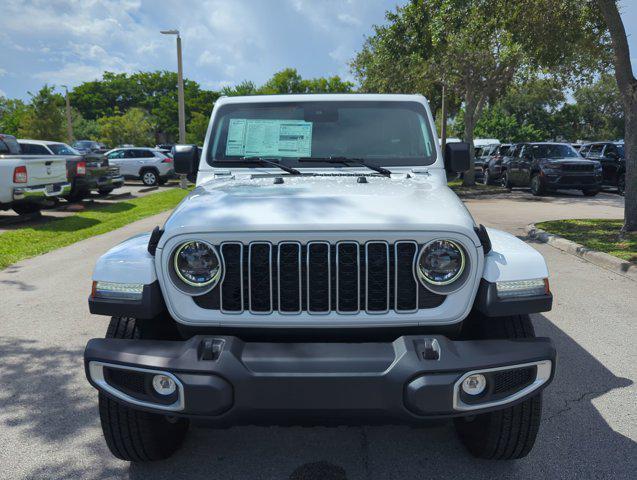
(285, 168)
(346, 161)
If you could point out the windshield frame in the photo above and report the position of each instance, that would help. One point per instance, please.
(294, 162)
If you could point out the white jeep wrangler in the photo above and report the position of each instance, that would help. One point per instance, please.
(322, 272)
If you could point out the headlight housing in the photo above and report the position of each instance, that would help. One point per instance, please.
(441, 265)
(196, 265)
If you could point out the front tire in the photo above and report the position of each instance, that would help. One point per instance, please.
(27, 209)
(590, 193)
(131, 434)
(150, 178)
(621, 184)
(509, 433)
(537, 187)
(104, 191)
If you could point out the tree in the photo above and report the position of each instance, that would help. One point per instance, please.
(84, 129)
(197, 127)
(600, 109)
(44, 118)
(12, 113)
(461, 44)
(627, 85)
(133, 127)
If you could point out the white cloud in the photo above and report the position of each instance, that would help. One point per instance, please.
(208, 58)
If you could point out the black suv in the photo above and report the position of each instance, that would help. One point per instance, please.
(612, 157)
(545, 166)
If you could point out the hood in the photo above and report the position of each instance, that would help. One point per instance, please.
(569, 160)
(322, 203)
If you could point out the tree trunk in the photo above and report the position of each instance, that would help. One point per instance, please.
(469, 177)
(628, 87)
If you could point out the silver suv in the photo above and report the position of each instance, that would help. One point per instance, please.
(151, 166)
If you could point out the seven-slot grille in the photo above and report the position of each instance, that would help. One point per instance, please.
(319, 278)
(578, 167)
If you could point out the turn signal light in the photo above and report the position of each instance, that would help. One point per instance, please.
(117, 291)
(20, 174)
(523, 288)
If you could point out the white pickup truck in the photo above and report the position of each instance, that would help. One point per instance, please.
(29, 183)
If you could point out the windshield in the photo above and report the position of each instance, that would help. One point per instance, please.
(85, 144)
(63, 149)
(553, 150)
(380, 133)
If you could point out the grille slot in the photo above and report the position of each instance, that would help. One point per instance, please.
(260, 277)
(319, 278)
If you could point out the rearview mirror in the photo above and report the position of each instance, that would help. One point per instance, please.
(457, 157)
(186, 159)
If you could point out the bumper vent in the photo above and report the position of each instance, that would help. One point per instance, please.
(509, 381)
(319, 278)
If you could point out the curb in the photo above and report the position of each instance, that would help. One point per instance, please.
(604, 260)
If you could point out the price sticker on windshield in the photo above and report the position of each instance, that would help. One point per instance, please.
(269, 138)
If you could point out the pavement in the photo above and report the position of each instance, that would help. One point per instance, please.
(49, 426)
(10, 220)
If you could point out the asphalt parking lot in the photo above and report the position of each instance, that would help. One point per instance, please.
(49, 428)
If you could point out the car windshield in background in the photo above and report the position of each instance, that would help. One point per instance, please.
(554, 150)
(61, 149)
(380, 133)
(85, 144)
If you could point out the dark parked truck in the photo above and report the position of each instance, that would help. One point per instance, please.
(86, 171)
(322, 272)
(546, 167)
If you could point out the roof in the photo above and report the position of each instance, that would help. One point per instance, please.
(322, 97)
(39, 142)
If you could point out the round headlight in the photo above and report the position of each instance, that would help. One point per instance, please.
(197, 264)
(441, 262)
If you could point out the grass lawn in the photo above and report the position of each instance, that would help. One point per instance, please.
(478, 188)
(600, 235)
(28, 242)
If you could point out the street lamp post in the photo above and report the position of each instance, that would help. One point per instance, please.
(69, 122)
(181, 109)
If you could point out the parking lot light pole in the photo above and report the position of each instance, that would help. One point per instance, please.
(69, 122)
(181, 109)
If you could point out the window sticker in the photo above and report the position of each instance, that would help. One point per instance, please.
(264, 138)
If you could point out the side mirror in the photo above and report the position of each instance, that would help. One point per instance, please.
(457, 157)
(186, 159)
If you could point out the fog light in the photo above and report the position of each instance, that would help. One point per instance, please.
(474, 384)
(164, 385)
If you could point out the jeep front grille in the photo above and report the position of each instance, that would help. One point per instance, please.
(319, 278)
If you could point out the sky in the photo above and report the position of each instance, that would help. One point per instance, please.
(66, 42)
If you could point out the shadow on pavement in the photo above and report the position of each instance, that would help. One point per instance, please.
(39, 395)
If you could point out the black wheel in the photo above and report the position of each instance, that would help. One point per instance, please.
(149, 178)
(537, 187)
(27, 208)
(505, 181)
(131, 434)
(621, 184)
(104, 191)
(509, 433)
(590, 193)
(77, 195)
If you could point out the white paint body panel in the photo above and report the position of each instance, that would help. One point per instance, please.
(512, 259)
(128, 262)
(245, 205)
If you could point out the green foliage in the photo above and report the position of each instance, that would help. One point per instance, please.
(196, 129)
(83, 128)
(12, 113)
(597, 234)
(600, 110)
(44, 118)
(289, 81)
(133, 127)
(28, 242)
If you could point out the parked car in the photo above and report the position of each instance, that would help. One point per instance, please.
(493, 165)
(89, 146)
(29, 183)
(149, 165)
(302, 282)
(86, 172)
(613, 159)
(546, 166)
(482, 156)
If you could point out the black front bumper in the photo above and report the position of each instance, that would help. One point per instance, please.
(576, 181)
(228, 381)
